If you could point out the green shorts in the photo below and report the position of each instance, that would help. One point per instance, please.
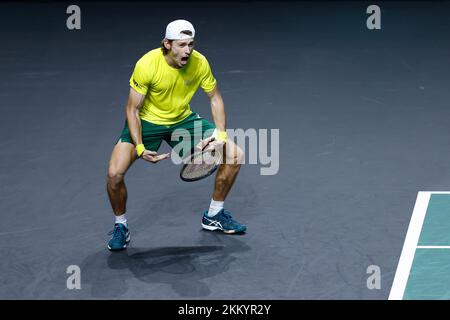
(182, 135)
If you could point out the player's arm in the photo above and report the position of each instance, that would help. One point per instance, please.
(219, 136)
(217, 108)
(135, 102)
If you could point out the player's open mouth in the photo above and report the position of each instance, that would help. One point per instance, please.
(184, 59)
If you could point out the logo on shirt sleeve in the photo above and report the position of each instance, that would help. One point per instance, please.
(137, 84)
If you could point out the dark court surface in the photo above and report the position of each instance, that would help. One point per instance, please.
(364, 124)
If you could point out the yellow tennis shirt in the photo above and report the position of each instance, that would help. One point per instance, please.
(168, 90)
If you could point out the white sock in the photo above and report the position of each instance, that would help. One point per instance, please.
(122, 219)
(215, 207)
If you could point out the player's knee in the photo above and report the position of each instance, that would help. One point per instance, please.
(115, 177)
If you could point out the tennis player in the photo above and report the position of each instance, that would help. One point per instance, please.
(163, 82)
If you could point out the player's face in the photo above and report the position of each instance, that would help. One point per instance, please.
(181, 51)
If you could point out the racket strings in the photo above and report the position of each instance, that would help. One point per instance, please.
(201, 164)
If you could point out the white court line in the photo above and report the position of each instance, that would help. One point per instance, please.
(433, 247)
(409, 246)
(437, 192)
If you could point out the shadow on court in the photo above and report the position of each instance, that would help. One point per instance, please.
(183, 268)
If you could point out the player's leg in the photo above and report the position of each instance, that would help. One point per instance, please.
(217, 218)
(228, 171)
(122, 157)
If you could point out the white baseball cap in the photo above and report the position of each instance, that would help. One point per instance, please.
(175, 28)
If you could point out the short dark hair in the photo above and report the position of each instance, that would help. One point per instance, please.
(187, 32)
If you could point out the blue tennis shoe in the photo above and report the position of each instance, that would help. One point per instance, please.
(222, 221)
(120, 237)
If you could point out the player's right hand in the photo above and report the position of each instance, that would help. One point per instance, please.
(153, 156)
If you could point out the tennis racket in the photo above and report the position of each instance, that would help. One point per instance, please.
(200, 165)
